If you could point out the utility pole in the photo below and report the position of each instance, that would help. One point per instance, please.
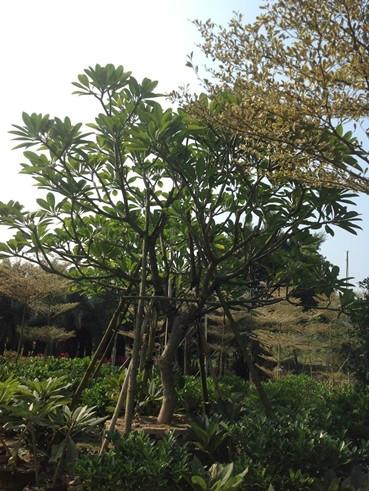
(347, 264)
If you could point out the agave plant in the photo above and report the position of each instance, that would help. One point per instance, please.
(8, 390)
(219, 478)
(44, 397)
(28, 409)
(38, 412)
(152, 399)
(69, 425)
(208, 438)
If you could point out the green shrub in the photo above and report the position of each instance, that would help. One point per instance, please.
(296, 393)
(315, 427)
(136, 462)
(149, 396)
(102, 394)
(231, 384)
(190, 396)
(356, 481)
(289, 451)
(45, 367)
(189, 393)
(348, 409)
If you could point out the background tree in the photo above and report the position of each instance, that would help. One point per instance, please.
(37, 292)
(295, 81)
(357, 349)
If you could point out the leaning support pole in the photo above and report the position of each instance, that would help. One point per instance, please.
(145, 335)
(110, 342)
(118, 408)
(21, 336)
(103, 356)
(150, 346)
(246, 354)
(209, 365)
(96, 356)
(122, 399)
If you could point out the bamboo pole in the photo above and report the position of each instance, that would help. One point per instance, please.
(117, 410)
(99, 351)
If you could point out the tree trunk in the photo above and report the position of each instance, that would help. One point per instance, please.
(168, 320)
(185, 356)
(135, 362)
(204, 385)
(145, 340)
(150, 346)
(166, 362)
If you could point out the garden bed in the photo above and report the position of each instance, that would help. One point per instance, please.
(149, 425)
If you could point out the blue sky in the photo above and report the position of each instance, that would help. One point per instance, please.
(45, 44)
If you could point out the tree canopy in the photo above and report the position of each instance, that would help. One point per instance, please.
(184, 174)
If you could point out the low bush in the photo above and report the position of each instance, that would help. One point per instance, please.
(102, 394)
(293, 394)
(45, 367)
(290, 451)
(348, 410)
(136, 462)
(190, 397)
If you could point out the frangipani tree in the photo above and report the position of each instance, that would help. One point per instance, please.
(156, 205)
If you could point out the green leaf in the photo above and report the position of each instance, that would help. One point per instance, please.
(43, 203)
(84, 80)
(200, 482)
(339, 130)
(56, 452)
(51, 200)
(329, 230)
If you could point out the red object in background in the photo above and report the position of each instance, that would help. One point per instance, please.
(121, 359)
(64, 355)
